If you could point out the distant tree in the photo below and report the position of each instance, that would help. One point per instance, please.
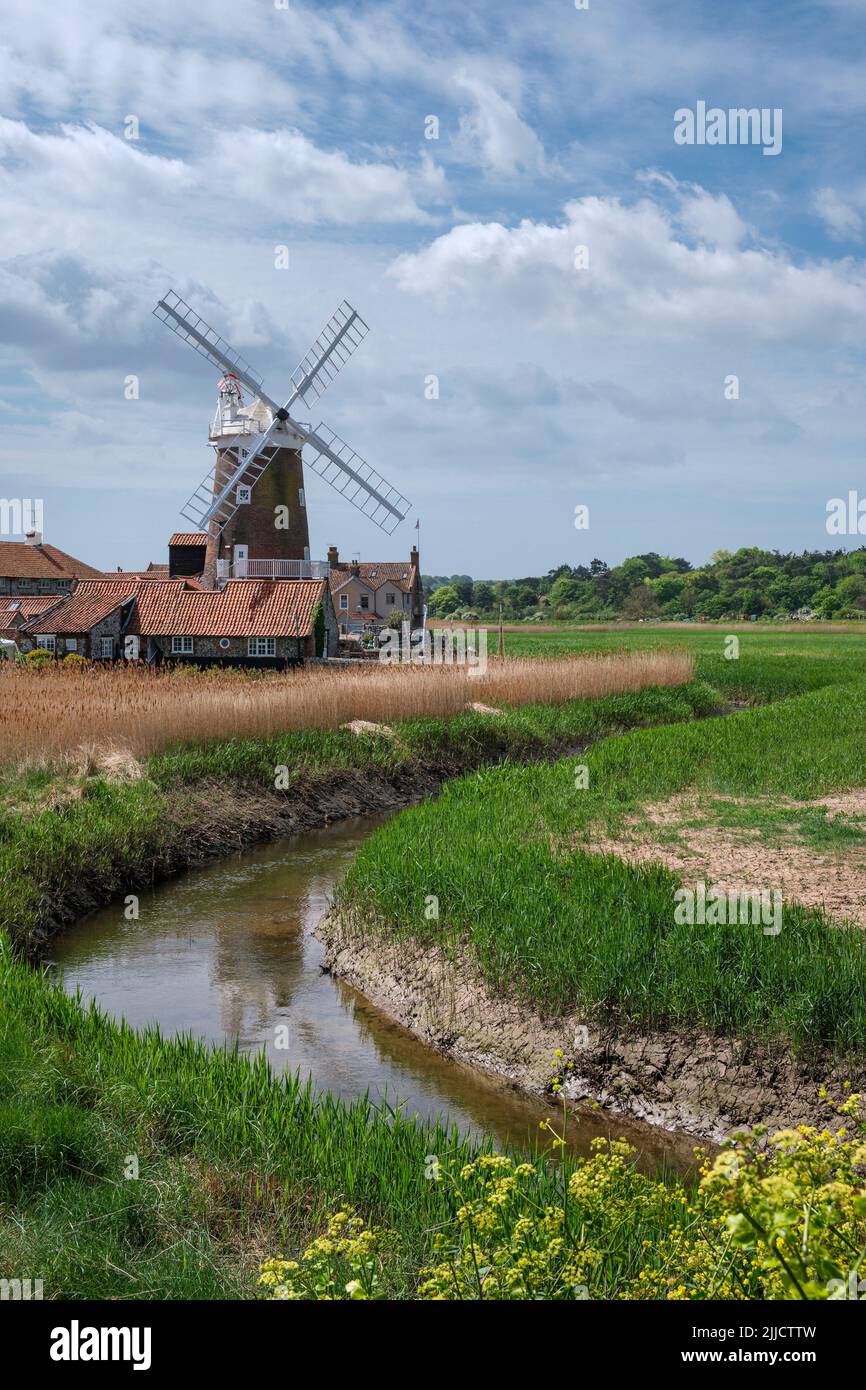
(483, 596)
(640, 602)
(444, 602)
(463, 586)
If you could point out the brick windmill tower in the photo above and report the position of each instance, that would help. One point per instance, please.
(252, 504)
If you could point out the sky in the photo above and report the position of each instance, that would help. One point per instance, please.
(559, 292)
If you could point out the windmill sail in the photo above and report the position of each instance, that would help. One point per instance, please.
(246, 456)
(336, 461)
(344, 331)
(191, 328)
(215, 501)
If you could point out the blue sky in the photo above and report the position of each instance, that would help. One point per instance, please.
(305, 127)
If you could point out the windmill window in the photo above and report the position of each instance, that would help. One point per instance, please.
(182, 646)
(262, 646)
(344, 601)
(301, 499)
(243, 494)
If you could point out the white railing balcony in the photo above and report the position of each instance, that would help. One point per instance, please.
(273, 569)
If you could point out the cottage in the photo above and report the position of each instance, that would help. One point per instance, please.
(249, 622)
(15, 613)
(91, 623)
(366, 594)
(30, 567)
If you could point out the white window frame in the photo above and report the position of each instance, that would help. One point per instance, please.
(244, 494)
(344, 603)
(109, 643)
(46, 641)
(302, 501)
(71, 644)
(182, 646)
(255, 645)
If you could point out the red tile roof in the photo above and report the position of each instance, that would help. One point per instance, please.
(131, 582)
(376, 574)
(27, 607)
(18, 560)
(188, 538)
(78, 613)
(244, 608)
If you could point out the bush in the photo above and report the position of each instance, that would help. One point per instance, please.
(74, 659)
(774, 1218)
(38, 657)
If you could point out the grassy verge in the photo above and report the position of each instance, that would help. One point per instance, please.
(132, 1167)
(505, 853)
(70, 844)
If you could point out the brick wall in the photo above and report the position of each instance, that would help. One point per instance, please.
(253, 524)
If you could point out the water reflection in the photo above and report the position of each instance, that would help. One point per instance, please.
(227, 952)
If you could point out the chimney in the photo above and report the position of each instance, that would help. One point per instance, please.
(333, 557)
(355, 568)
(413, 556)
(33, 537)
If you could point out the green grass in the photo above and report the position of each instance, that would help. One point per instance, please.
(116, 835)
(503, 850)
(234, 1164)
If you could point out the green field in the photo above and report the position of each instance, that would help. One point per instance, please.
(502, 851)
(234, 1166)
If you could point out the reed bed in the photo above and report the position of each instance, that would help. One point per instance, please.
(46, 714)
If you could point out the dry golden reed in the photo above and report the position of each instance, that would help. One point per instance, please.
(56, 711)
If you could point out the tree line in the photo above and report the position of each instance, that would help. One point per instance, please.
(745, 582)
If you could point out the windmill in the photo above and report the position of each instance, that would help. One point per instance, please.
(258, 466)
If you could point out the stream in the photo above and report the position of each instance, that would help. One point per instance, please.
(227, 952)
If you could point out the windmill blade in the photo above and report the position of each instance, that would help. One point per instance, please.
(191, 328)
(214, 502)
(344, 331)
(336, 461)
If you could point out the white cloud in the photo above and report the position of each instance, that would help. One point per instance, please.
(306, 184)
(645, 274)
(494, 134)
(841, 219)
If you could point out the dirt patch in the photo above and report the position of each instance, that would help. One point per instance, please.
(688, 1080)
(741, 857)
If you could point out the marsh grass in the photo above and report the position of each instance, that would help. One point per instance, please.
(506, 852)
(84, 713)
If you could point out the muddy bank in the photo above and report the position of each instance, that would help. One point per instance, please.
(207, 821)
(684, 1080)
